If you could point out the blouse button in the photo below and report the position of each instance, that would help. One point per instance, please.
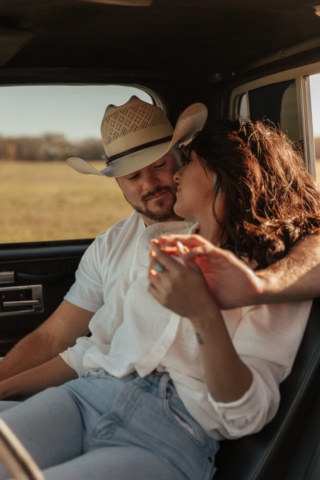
(160, 351)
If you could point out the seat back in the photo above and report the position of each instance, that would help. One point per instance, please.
(265, 455)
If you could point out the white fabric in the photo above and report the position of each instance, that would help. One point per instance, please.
(102, 264)
(132, 331)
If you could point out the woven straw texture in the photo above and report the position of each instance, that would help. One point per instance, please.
(131, 119)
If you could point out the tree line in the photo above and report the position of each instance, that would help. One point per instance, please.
(50, 146)
(55, 146)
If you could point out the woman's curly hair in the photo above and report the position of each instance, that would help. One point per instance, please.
(271, 201)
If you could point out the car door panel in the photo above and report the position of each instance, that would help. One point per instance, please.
(33, 282)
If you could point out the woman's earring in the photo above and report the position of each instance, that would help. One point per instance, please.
(217, 185)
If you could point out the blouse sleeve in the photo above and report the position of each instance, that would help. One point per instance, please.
(267, 340)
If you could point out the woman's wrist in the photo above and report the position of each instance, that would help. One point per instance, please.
(204, 318)
(227, 377)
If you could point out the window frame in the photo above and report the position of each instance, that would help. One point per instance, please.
(301, 76)
(155, 98)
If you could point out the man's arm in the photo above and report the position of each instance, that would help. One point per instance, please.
(54, 336)
(294, 278)
(233, 284)
(53, 373)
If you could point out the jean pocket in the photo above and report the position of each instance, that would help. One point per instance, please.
(184, 421)
(184, 425)
(94, 374)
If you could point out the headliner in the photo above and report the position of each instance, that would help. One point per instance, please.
(177, 36)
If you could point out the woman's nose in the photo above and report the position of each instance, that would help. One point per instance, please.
(177, 175)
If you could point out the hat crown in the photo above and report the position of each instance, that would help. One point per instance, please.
(137, 134)
(122, 127)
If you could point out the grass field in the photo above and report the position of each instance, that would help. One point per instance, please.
(50, 201)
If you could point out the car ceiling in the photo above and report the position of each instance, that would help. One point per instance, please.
(178, 36)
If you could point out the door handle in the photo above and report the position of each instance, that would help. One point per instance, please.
(21, 303)
(21, 300)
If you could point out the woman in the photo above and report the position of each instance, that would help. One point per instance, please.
(164, 383)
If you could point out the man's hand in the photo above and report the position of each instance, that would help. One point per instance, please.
(53, 336)
(231, 282)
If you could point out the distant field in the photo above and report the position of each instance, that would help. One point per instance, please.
(50, 201)
(318, 171)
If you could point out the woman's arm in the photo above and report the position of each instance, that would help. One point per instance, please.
(49, 374)
(233, 284)
(185, 292)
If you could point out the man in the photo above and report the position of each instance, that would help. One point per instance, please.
(142, 155)
(150, 190)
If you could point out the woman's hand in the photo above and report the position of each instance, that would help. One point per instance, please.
(184, 290)
(180, 288)
(231, 282)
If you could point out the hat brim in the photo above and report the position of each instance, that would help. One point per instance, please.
(190, 122)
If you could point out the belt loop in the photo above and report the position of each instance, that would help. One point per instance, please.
(163, 385)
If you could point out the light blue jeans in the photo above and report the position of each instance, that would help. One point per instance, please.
(99, 427)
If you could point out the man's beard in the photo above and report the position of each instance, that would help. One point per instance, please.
(157, 217)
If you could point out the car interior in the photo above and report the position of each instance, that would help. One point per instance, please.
(248, 59)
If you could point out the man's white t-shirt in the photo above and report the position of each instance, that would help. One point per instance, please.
(132, 331)
(102, 263)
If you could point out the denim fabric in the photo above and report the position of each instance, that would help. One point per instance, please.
(102, 427)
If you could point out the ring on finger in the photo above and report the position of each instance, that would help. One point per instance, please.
(158, 268)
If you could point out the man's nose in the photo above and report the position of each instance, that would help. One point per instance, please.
(150, 180)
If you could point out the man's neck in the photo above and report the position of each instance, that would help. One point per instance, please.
(148, 221)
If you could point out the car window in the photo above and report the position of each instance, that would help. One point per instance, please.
(283, 98)
(42, 198)
(315, 101)
(277, 103)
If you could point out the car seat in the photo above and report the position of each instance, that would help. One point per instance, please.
(266, 455)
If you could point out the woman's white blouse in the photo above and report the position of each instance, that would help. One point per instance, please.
(133, 331)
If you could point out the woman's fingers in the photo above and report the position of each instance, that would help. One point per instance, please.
(172, 251)
(164, 259)
(209, 251)
(185, 240)
(191, 264)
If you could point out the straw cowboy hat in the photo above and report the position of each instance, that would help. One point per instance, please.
(137, 134)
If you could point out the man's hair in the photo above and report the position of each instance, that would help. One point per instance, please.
(271, 201)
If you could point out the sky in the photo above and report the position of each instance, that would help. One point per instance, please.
(77, 111)
(315, 100)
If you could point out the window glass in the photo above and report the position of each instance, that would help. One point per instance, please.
(243, 108)
(41, 197)
(278, 103)
(315, 102)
